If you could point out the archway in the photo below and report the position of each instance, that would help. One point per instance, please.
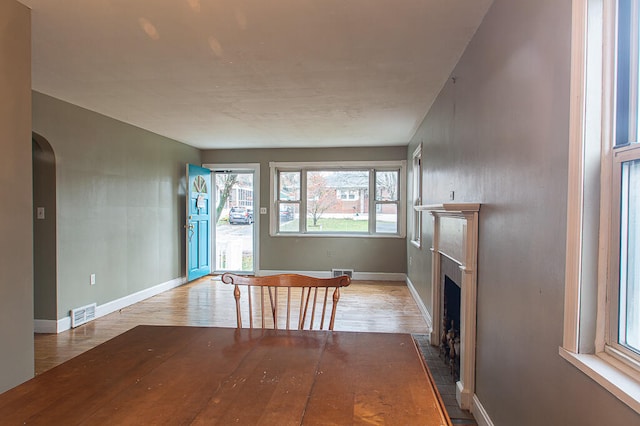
(45, 292)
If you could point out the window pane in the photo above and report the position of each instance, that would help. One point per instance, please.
(629, 314)
(337, 201)
(635, 82)
(289, 186)
(289, 217)
(387, 218)
(387, 185)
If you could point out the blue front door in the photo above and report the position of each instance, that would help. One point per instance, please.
(198, 222)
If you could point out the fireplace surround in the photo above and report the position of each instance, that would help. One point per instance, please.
(455, 242)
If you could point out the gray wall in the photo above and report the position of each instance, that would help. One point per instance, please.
(16, 258)
(120, 202)
(310, 254)
(45, 292)
(499, 135)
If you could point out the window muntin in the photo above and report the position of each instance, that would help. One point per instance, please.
(334, 199)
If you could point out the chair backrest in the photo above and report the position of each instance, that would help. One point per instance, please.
(304, 298)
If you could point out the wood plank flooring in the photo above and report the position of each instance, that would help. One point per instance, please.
(375, 306)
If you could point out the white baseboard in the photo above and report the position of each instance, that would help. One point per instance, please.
(45, 326)
(316, 274)
(380, 276)
(478, 411)
(63, 324)
(423, 309)
(131, 299)
(365, 276)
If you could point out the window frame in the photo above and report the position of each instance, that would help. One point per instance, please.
(612, 346)
(304, 167)
(416, 222)
(625, 148)
(277, 202)
(593, 231)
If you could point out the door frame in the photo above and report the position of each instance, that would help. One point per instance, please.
(240, 168)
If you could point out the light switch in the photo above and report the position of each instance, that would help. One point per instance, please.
(40, 213)
(263, 210)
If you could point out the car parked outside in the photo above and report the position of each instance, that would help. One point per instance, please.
(240, 215)
(286, 214)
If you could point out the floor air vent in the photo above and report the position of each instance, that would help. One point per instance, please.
(82, 315)
(340, 272)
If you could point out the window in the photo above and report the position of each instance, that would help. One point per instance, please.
(602, 286)
(321, 199)
(346, 194)
(416, 225)
(626, 313)
(624, 317)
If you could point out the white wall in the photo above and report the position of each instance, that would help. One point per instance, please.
(16, 258)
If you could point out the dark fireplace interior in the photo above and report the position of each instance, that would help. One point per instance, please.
(450, 345)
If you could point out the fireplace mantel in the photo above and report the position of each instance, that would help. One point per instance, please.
(455, 235)
(450, 208)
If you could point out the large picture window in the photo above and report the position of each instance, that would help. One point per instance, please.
(346, 198)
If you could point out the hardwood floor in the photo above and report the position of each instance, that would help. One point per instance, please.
(375, 306)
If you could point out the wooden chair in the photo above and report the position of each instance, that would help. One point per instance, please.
(306, 295)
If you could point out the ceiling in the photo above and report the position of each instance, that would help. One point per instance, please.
(254, 73)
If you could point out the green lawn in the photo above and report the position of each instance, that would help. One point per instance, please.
(329, 225)
(247, 261)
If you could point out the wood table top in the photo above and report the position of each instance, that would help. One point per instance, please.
(201, 376)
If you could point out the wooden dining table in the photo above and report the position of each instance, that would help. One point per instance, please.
(206, 375)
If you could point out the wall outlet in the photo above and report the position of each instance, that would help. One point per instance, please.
(40, 213)
(92, 279)
(263, 210)
(410, 260)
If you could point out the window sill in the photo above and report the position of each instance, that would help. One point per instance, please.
(329, 235)
(609, 373)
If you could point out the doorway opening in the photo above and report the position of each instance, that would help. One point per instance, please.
(236, 216)
(45, 289)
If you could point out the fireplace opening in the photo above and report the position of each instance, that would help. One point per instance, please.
(450, 344)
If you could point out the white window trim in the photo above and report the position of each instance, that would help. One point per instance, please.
(611, 344)
(416, 189)
(584, 322)
(338, 165)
